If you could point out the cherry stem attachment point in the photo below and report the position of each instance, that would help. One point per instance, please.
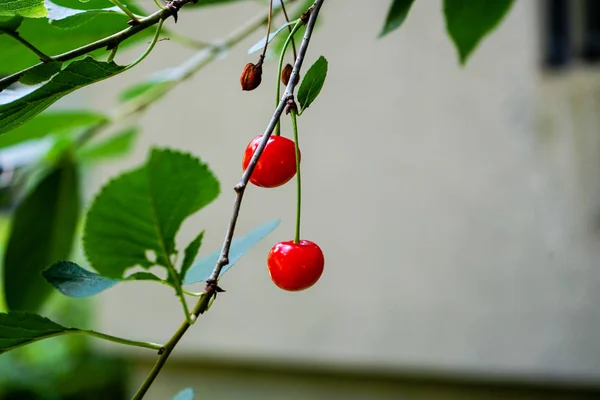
(298, 177)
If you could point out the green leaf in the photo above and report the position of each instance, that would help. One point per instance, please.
(202, 269)
(143, 276)
(396, 15)
(68, 18)
(51, 122)
(312, 83)
(42, 233)
(116, 145)
(10, 24)
(19, 105)
(41, 73)
(19, 328)
(190, 253)
(261, 43)
(23, 8)
(185, 394)
(467, 22)
(53, 39)
(73, 281)
(202, 3)
(142, 210)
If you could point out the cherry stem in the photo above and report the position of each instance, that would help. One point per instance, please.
(298, 178)
(280, 67)
(264, 53)
(287, 19)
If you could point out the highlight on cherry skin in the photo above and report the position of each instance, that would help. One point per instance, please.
(276, 165)
(295, 266)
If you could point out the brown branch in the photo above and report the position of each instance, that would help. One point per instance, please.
(211, 284)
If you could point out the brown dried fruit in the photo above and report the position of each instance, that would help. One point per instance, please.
(286, 73)
(251, 76)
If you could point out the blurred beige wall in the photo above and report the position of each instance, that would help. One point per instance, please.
(454, 234)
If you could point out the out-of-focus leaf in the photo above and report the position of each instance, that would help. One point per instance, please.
(23, 8)
(312, 83)
(19, 328)
(68, 18)
(142, 210)
(48, 123)
(42, 233)
(143, 276)
(19, 105)
(261, 43)
(73, 281)
(396, 15)
(116, 145)
(202, 3)
(185, 394)
(469, 21)
(202, 269)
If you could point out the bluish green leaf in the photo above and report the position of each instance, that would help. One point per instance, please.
(312, 83)
(190, 253)
(42, 233)
(396, 15)
(23, 8)
(73, 281)
(20, 328)
(202, 269)
(19, 105)
(261, 43)
(116, 145)
(467, 22)
(185, 394)
(143, 209)
(50, 122)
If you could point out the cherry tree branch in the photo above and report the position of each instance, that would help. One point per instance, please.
(109, 42)
(211, 285)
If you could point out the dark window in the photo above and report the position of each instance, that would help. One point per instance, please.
(571, 32)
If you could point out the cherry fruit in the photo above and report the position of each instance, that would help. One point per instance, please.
(295, 266)
(277, 163)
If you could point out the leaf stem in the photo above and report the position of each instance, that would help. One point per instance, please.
(280, 67)
(298, 177)
(125, 10)
(149, 48)
(17, 37)
(112, 54)
(115, 339)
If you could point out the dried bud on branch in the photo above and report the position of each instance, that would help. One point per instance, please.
(251, 76)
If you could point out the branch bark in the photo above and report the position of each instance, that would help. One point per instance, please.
(211, 288)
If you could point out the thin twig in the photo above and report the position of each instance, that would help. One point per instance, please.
(262, 57)
(134, 19)
(211, 284)
(287, 19)
(20, 39)
(109, 42)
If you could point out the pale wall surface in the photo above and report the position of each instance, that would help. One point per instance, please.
(452, 240)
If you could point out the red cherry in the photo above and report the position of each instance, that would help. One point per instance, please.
(295, 266)
(277, 163)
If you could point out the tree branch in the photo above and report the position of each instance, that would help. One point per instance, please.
(211, 285)
(109, 42)
(20, 39)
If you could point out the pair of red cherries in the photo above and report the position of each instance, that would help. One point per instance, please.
(292, 266)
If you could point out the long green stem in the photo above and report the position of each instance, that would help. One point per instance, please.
(298, 177)
(125, 10)
(280, 67)
(149, 48)
(110, 338)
